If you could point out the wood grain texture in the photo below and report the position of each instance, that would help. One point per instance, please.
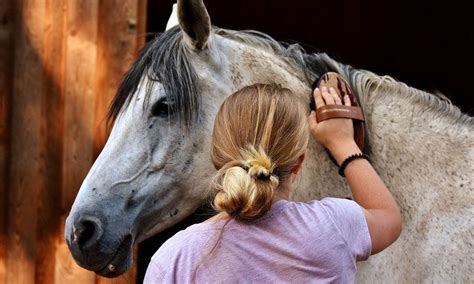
(6, 55)
(53, 100)
(27, 167)
(118, 46)
(61, 64)
(81, 52)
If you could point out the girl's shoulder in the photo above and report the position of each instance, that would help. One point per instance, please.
(324, 206)
(178, 246)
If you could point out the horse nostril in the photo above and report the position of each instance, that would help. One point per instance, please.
(86, 232)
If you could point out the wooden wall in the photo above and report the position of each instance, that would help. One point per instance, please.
(60, 64)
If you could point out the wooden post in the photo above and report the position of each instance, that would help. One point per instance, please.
(119, 40)
(27, 164)
(6, 55)
(53, 103)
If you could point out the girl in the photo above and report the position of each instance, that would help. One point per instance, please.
(258, 147)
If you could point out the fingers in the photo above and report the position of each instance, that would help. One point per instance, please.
(325, 96)
(318, 98)
(328, 98)
(335, 96)
(347, 100)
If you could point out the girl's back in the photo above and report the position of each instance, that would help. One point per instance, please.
(294, 242)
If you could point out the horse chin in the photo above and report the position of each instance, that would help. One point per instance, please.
(120, 262)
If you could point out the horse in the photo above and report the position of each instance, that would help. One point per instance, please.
(155, 168)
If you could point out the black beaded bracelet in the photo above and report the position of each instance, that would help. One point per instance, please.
(349, 159)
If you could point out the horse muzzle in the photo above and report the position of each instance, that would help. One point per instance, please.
(104, 251)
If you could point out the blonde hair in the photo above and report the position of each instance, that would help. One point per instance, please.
(259, 134)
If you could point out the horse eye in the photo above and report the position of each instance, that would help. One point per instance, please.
(162, 108)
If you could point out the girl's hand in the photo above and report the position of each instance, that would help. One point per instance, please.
(333, 133)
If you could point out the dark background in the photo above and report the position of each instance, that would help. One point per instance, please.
(426, 44)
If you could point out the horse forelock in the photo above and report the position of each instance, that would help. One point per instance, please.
(164, 60)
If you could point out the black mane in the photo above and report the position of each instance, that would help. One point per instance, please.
(164, 60)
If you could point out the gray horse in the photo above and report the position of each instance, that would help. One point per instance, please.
(155, 168)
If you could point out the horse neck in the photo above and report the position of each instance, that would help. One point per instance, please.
(418, 141)
(412, 112)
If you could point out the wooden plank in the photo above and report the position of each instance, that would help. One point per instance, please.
(81, 56)
(27, 150)
(53, 101)
(118, 46)
(141, 23)
(6, 55)
(80, 62)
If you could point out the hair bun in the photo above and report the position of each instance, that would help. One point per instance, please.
(258, 163)
(246, 189)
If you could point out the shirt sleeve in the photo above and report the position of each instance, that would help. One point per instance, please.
(154, 273)
(350, 221)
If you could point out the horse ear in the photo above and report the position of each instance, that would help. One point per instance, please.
(173, 20)
(195, 22)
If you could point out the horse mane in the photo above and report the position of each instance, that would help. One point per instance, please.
(167, 60)
(366, 84)
(370, 86)
(310, 66)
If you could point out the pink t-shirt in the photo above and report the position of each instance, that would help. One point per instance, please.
(295, 242)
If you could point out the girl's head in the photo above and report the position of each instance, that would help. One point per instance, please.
(259, 135)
